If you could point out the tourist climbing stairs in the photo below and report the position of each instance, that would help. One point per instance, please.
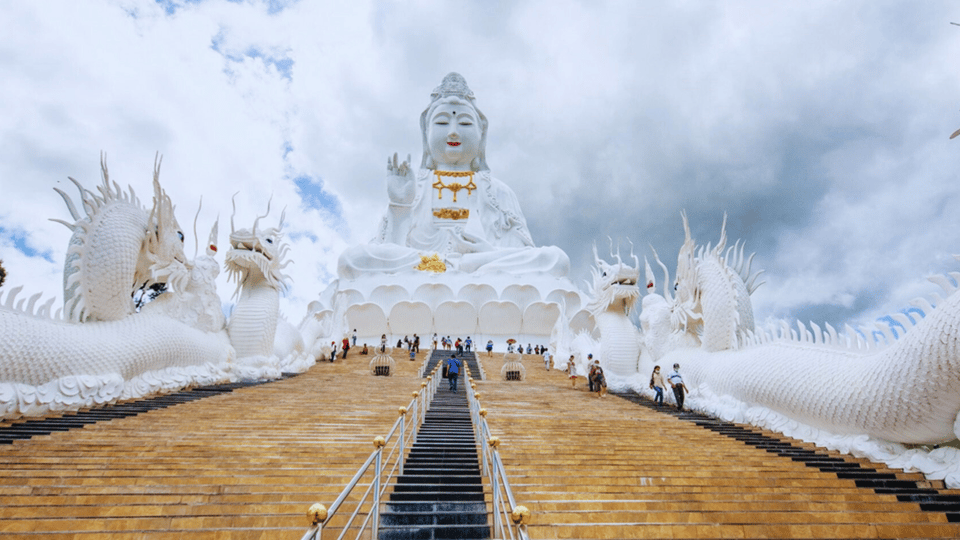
(440, 493)
(469, 359)
(610, 467)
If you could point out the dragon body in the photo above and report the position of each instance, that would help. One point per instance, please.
(102, 348)
(876, 393)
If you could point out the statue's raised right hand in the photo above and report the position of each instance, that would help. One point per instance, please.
(401, 188)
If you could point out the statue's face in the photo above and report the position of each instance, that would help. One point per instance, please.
(453, 134)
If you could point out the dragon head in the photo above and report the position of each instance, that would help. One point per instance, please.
(257, 254)
(164, 243)
(614, 284)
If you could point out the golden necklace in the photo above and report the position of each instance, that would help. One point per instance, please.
(454, 187)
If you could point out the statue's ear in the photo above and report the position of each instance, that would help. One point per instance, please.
(429, 164)
(475, 164)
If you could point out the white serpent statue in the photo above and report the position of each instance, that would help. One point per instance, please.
(101, 349)
(887, 395)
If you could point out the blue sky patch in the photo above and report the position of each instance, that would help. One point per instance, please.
(282, 63)
(21, 241)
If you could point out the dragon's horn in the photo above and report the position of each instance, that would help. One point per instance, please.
(196, 240)
(666, 274)
(269, 201)
(234, 200)
(214, 232)
(283, 216)
(648, 272)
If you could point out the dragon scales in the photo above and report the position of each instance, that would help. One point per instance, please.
(102, 349)
(846, 390)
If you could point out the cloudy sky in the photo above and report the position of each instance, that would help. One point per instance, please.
(820, 128)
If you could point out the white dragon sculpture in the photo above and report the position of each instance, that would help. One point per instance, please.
(892, 399)
(101, 349)
(613, 293)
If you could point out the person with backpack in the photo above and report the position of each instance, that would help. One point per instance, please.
(453, 372)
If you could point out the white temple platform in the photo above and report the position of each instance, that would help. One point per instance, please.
(456, 304)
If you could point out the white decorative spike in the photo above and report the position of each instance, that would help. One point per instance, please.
(923, 305)
(944, 283)
(887, 332)
(32, 302)
(12, 296)
(69, 202)
(904, 320)
(955, 276)
(817, 333)
(850, 334)
(832, 332)
(44, 310)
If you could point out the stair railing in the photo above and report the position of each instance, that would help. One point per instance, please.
(399, 435)
(476, 356)
(509, 519)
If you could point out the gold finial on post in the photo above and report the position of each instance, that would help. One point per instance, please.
(317, 513)
(520, 515)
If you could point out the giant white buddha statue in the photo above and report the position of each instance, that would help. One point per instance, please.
(452, 207)
(453, 246)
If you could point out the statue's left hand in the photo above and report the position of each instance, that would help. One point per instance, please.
(465, 242)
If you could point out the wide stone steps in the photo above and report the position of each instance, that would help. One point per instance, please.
(612, 468)
(248, 462)
(237, 464)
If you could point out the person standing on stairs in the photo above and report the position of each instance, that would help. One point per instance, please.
(572, 371)
(597, 380)
(657, 384)
(453, 372)
(676, 382)
(590, 371)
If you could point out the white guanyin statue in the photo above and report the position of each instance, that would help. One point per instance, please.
(453, 253)
(452, 207)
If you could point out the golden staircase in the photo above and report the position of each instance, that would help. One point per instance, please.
(590, 467)
(247, 464)
(240, 465)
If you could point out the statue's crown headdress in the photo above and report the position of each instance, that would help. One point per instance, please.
(452, 85)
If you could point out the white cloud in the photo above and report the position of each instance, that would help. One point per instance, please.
(820, 128)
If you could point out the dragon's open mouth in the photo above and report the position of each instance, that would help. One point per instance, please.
(253, 247)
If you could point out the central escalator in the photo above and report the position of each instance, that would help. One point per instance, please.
(440, 493)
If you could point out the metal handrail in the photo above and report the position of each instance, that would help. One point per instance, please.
(398, 437)
(509, 519)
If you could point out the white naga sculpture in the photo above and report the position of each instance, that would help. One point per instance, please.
(613, 294)
(869, 392)
(102, 349)
(453, 249)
